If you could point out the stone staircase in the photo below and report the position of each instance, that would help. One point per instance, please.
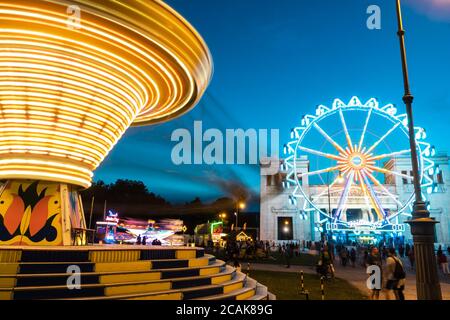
(122, 272)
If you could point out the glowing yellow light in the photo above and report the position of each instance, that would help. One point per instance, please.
(67, 95)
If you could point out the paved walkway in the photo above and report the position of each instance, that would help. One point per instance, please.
(357, 277)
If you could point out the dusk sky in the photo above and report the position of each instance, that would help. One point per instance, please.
(275, 61)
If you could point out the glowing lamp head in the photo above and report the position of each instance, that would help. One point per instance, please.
(340, 178)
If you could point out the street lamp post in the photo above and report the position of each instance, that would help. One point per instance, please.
(239, 205)
(422, 225)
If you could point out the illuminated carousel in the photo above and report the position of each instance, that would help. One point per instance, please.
(74, 75)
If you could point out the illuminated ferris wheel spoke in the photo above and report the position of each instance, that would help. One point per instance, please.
(367, 203)
(322, 154)
(387, 171)
(312, 173)
(347, 135)
(389, 155)
(344, 195)
(329, 139)
(375, 201)
(379, 184)
(331, 185)
(365, 192)
(361, 140)
(382, 138)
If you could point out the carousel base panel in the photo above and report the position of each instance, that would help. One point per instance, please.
(121, 272)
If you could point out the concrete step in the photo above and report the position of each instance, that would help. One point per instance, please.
(196, 292)
(87, 267)
(105, 277)
(120, 288)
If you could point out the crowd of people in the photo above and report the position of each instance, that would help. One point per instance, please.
(261, 249)
(390, 258)
(143, 241)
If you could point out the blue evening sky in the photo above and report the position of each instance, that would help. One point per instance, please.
(275, 60)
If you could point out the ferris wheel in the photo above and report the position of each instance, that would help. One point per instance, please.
(355, 143)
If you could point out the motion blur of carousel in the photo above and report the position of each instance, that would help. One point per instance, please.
(116, 230)
(75, 74)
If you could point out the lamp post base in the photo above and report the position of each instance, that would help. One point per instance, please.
(422, 229)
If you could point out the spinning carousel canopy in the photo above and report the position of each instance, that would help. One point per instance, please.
(74, 75)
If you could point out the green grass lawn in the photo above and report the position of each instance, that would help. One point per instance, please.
(303, 259)
(285, 285)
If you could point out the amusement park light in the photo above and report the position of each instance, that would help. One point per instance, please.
(285, 149)
(292, 200)
(405, 122)
(68, 95)
(340, 178)
(421, 134)
(437, 169)
(433, 151)
(241, 205)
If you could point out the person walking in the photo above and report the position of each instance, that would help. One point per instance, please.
(395, 276)
(353, 257)
(365, 258)
(144, 240)
(439, 250)
(401, 251)
(443, 263)
(138, 239)
(344, 256)
(411, 258)
(325, 265)
(288, 252)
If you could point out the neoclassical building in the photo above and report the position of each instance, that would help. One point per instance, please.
(281, 220)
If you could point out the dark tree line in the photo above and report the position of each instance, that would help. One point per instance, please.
(124, 191)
